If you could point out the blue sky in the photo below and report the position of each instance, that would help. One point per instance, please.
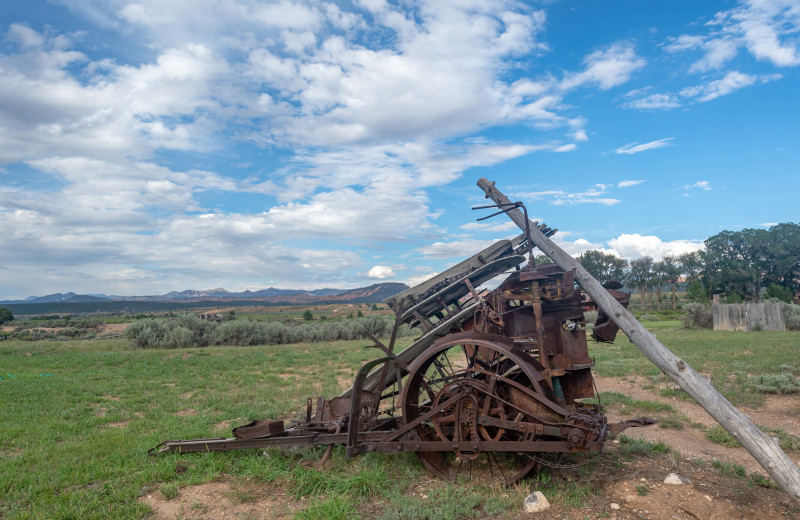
(161, 145)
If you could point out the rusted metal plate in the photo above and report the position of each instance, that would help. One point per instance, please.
(256, 429)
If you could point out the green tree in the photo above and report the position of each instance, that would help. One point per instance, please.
(672, 274)
(658, 279)
(604, 267)
(691, 265)
(695, 292)
(5, 315)
(779, 292)
(639, 276)
(360, 314)
(307, 315)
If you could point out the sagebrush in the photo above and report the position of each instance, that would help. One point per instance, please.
(190, 331)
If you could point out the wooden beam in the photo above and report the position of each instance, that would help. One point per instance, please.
(761, 446)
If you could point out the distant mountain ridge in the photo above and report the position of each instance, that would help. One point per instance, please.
(371, 294)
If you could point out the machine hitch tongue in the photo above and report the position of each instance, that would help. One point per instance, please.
(496, 383)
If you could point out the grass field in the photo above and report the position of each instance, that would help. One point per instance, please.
(79, 417)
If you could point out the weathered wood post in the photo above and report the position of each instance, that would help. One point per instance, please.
(761, 446)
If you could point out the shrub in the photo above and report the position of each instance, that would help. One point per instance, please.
(733, 297)
(697, 316)
(791, 313)
(190, 331)
(695, 292)
(783, 383)
(307, 315)
(147, 333)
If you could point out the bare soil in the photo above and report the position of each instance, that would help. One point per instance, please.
(221, 500)
(777, 412)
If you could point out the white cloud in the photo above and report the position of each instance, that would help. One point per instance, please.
(418, 279)
(732, 82)
(487, 227)
(682, 43)
(632, 246)
(718, 52)
(767, 29)
(579, 136)
(699, 185)
(592, 195)
(455, 249)
(380, 272)
(632, 148)
(606, 68)
(653, 102)
(628, 184)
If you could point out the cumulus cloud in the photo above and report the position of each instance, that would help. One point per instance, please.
(380, 272)
(765, 29)
(632, 246)
(633, 148)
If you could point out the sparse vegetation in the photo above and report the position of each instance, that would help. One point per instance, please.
(791, 314)
(697, 316)
(189, 331)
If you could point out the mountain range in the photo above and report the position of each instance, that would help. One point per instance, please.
(371, 294)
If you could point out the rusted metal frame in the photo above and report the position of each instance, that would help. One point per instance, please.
(540, 333)
(355, 399)
(555, 407)
(389, 352)
(480, 446)
(427, 415)
(373, 442)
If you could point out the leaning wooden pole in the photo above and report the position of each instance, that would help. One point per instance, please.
(761, 446)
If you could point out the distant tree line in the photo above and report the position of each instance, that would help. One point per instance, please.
(747, 265)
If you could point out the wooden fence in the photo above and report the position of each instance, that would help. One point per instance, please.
(748, 316)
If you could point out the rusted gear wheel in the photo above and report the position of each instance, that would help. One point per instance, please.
(481, 368)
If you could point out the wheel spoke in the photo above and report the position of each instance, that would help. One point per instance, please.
(437, 376)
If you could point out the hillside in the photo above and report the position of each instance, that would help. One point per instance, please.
(81, 304)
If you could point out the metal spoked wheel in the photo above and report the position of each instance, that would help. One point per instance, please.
(476, 377)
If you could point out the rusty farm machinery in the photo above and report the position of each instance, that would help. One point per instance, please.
(498, 383)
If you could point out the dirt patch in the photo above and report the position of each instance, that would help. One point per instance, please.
(219, 500)
(777, 412)
(186, 413)
(11, 454)
(226, 426)
(699, 499)
(113, 329)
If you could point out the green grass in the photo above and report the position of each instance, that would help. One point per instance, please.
(743, 366)
(719, 435)
(78, 419)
